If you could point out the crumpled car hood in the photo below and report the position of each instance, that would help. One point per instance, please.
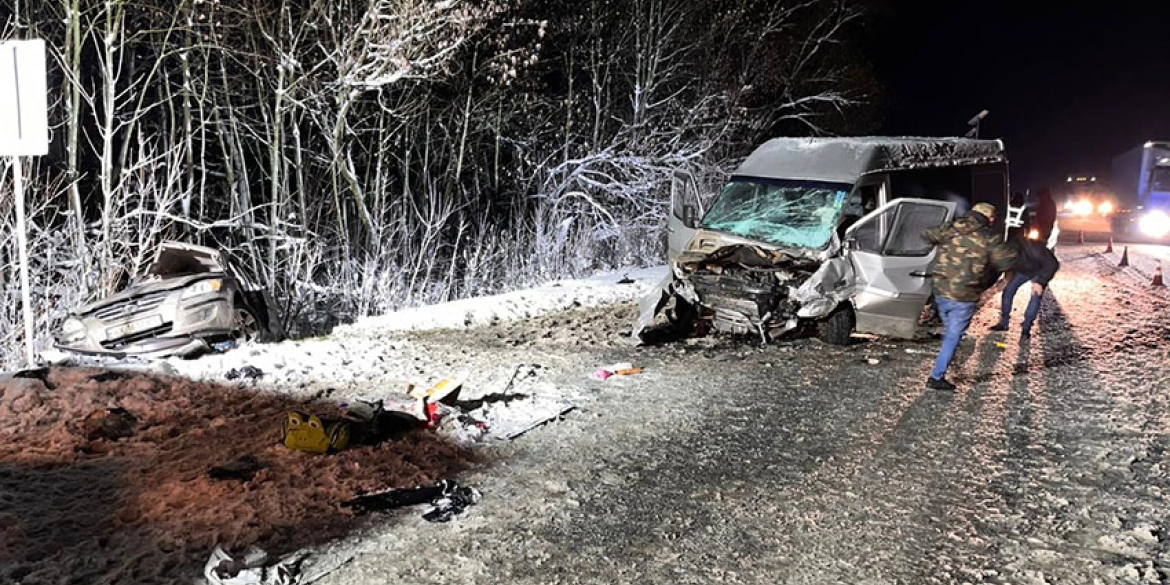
(164, 284)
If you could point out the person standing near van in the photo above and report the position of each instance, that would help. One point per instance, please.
(1045, 217)
(1037, 264)
(970, 256)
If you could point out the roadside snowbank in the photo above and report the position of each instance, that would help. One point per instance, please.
(602, 289)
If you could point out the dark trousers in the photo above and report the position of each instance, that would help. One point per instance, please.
(1009, 295)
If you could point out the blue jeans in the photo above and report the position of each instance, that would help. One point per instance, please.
(1009, 295)
(956, 315)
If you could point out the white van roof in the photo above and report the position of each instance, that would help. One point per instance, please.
(844, 160)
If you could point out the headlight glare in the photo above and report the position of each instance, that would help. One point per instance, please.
(1155, 224)
(203, 287)
(1105, 208)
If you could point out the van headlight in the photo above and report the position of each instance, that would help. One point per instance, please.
(72, 331)
(202, 287)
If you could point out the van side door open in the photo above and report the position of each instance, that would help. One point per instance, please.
(892, 262)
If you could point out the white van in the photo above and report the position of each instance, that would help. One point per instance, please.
(824, 231)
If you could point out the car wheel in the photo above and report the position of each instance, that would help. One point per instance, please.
(837, 328)
(247, 328)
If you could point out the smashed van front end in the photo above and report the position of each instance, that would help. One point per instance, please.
(764, 258)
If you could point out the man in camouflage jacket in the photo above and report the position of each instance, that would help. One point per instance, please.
(970, 257)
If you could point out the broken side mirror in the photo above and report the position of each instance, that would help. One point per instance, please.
(850, 242)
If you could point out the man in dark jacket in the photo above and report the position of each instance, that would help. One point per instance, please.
(970, 253)
(1035, 263)
(1045, 216)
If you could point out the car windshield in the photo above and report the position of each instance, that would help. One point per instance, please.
(800, 214)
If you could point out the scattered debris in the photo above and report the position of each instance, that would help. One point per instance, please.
(110, 424)
(245, 373)
(223, 346)
(453, 503)
(619, 369)
(626, 280)
(242, 469)
(252, 568)
(41, 374)
(109, 376)
(447, 391)
(566, 409)
(371, 424)
(448, 498)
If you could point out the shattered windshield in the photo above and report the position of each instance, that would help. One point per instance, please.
(174, 262)
(800, 214)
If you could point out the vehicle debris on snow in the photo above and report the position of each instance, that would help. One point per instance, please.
(189, 300)
(824, 232)
(619, 369)
(252, 568)
(448, 499)
(244, 373)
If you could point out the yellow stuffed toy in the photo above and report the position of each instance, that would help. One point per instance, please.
(314, 434)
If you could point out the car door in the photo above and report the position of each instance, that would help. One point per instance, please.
(892, 262)
(685, 211)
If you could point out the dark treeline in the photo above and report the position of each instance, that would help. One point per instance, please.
(364, 155)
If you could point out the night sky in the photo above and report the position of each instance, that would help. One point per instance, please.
(1069, 85)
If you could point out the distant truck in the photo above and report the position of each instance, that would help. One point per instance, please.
(1087, 207)
(1142, 175)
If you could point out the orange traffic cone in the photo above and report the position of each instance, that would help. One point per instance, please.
(1158, 275)
(1109, 248)
(1124, 258)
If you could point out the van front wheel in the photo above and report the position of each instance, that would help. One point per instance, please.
(837, 328)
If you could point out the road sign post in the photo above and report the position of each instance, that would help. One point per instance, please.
(24, 131)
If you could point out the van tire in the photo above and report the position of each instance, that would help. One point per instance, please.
(837, 328)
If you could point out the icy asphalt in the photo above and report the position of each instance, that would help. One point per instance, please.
(803, 463)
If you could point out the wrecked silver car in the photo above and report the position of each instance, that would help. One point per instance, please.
(189, 298)
(823, 232)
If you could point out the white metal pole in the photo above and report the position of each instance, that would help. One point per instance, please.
(22, 242)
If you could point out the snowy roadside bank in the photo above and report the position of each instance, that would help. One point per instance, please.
(376, 353)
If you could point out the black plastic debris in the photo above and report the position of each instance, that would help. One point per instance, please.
(242, 469)
(245, 373)
(371, 424)
(109, 376)
(41, 374)
(452, 504)
(626, 280)
(448, 498)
